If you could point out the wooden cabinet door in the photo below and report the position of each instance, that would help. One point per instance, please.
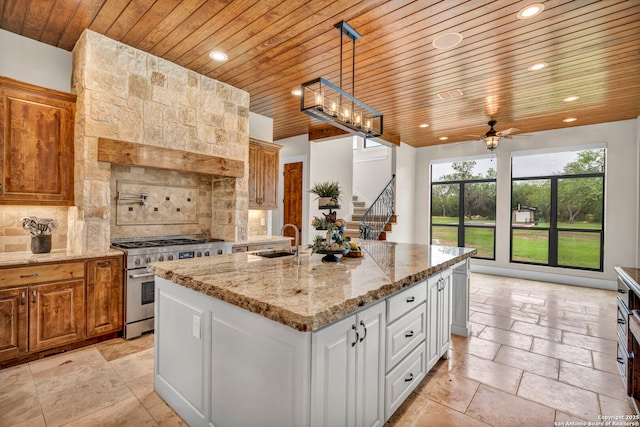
(270, 159)
(105, 286)
(255, 176)
(13, 322)
(56, 314)
(36, 145)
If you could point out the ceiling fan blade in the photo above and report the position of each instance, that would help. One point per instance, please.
(509, 131)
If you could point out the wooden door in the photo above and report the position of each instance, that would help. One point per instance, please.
(56, 314)
(104, 296)
(13, 322)
(292, 210)
(36, 144)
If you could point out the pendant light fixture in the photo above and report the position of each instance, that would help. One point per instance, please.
(329, 103)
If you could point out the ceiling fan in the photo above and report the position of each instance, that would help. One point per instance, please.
(492, 137)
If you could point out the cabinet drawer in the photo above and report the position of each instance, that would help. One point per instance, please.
(406, 300)
(403, 379)
(404, 335)
(20, 276)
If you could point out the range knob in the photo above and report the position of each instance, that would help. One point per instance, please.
(207, 253)
(220, 252)
(199, 254)
(148, 260)
(170, 257)
(137, 261)
(161, 258)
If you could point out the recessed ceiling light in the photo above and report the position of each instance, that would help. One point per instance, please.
(216, 55)
(447, 41)
(443, 138)
(571, 98)
(296, 92)
(424, 125)
(530, 11)
(569, 119)
(538, 66)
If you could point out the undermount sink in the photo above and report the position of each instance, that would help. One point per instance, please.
(276, 254)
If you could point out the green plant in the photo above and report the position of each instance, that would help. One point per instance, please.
(326, 189)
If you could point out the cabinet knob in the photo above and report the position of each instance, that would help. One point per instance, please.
(23, 297)
(409, 378)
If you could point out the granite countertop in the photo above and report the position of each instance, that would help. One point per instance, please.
(17, 259)
(311, 294)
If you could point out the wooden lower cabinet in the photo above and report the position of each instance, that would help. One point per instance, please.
(13, 323)
(56, 314)
(47, 308)
(104, 296)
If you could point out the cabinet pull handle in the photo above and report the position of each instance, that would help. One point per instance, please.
(411, 299)
(353, 344)
(104, 264)
(0, 188)
(622, 291)
(621, 322)
(409, 334)
(620, 360)
(33, 297)
(365, 330)
(409, 378)
(24, 276)
(23, 297)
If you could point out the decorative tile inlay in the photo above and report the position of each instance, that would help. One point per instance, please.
(162, 204)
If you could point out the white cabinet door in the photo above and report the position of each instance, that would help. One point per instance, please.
(433, 340)
(444, 314)
(333, 374)
(347, 371)
(370, 362)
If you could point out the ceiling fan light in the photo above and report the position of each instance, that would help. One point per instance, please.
(447, 41)
(530, 11)
(491, 142)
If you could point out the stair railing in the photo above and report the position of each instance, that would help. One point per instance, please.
(375, 219)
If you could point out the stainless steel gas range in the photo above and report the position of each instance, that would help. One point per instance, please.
(139, 283)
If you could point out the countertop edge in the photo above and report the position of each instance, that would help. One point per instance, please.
(296, 321)
(23, 259)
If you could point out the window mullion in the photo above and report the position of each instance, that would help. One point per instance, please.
(461, 215)
(553, 224)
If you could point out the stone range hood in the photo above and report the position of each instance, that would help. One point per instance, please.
(140, 116)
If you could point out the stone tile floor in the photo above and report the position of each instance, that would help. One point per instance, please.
(539, 353)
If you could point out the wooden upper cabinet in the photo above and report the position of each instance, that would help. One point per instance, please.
(104, 296)
(264, 161)
(36, 144)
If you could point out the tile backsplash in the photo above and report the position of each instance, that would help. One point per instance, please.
(13, 238)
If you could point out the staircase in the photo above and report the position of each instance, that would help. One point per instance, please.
(353, 226)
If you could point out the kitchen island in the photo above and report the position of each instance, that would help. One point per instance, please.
(247, 340)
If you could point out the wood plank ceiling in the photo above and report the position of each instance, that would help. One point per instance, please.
(592, 49)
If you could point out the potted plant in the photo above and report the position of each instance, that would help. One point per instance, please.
(328, 193)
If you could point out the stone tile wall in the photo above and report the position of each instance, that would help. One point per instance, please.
(126, 94)
(13, 238)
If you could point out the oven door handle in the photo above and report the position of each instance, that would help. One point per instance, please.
(139, 276)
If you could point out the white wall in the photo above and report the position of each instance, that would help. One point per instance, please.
(260, 127)
(371, 171)
(404, 229)
(621, 197)
(331, 160)
(33, 62)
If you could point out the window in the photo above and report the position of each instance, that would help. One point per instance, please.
(557, 209)
(463, 205)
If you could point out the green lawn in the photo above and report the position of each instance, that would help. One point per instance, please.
(575, 249)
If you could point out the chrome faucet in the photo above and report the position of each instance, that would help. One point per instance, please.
(297, 236)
